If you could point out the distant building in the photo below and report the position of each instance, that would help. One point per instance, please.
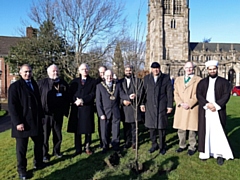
(6, 76)
(169, 44)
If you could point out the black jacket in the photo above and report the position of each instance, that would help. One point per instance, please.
(54, 96)
(25, 108)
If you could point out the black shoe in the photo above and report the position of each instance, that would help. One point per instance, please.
(152, 149)
(220, 161)
(45, 159)
(180, 150)
(191, 152)
(104, 151)
(76, 154)
(58, 155)
(127, 146)
(162, 151)
(41, 166)
(22, 176)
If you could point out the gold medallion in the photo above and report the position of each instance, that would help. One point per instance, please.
(112, 97)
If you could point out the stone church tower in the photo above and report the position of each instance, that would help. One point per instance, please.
(169, 44)
(168, 33)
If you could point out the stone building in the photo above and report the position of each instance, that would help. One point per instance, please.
(169, 44)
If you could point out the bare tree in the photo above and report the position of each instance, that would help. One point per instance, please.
(83, 23)
(133, 45)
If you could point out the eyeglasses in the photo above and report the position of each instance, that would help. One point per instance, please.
(27, 71)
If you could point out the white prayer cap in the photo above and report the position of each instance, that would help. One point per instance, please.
(211, 63)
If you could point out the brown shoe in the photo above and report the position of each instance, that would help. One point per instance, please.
(134, 146)
(89, 152)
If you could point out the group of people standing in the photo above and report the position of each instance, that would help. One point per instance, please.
(38, 108)
(201, 107)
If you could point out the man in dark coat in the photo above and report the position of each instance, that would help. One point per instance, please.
(108, 96)
(131, 109)
(26, 116)
(55, 102)
(101, 71)
(81, 121)
(157, 104)
(213, 93)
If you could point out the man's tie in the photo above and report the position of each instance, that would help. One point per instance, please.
(83, 81)
(186, 80)
(30, 85)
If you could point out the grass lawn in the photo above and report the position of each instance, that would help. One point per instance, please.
(170, 166)
(3, 113)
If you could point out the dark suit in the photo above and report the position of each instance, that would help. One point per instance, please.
(25, 108)
(129, 112)
(109, 108)
(55, 102)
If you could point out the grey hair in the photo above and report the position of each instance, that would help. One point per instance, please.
(25, 65)
(53, 65)
(84, 64)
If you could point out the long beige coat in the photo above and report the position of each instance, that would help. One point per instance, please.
(186, 119)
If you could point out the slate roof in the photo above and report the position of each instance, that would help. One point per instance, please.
(194, 46)
(6, 42)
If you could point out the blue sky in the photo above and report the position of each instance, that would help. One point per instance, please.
(216, 19)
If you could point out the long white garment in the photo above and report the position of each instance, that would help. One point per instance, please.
(216, 143)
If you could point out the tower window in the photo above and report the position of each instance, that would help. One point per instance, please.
(173, 24)
(167, 6)
(177, 7)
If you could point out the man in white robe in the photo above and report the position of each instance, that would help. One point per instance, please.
(213, 93)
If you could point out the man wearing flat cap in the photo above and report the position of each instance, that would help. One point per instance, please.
(157, 104)
(213, 93)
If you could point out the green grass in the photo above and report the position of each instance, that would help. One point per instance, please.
(3, 113)
(170, 166)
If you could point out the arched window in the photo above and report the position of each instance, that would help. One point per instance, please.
(173, 24)
(181, 72)
(232, 77)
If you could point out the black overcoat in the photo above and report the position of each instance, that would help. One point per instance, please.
(81, 120)
(157, 98)
(25, 108)
(222, 95)
(129, 112)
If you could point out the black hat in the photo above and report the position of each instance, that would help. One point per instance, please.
(155, 65)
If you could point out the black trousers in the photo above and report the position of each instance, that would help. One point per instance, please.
(107, 126)
(129, 133)
(21, 149)
(162, 137)
(78, 142)
(52, 123)
(99, 131)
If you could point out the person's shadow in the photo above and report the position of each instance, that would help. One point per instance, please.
(233, 134)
